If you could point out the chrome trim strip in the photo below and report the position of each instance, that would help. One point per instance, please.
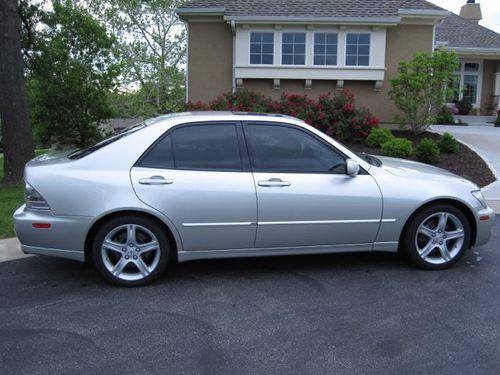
(326, 222)
(217, 224)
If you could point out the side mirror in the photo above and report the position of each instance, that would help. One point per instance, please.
(352, 167)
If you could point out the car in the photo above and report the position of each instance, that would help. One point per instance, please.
(206, 185)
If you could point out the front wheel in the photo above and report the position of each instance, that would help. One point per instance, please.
(437, 237)
(131, 251)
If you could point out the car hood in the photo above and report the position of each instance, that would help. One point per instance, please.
(409, 168)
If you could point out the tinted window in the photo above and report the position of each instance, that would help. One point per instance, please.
(277, 148)
(160, 156)
(206, 147)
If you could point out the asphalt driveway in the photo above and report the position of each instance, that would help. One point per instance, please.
(338, 314)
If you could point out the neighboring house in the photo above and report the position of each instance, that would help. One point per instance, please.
(317, 46)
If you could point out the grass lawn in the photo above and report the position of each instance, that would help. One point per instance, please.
(11, 197)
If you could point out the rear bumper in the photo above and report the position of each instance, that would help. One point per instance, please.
(64, 239)
(484, 226)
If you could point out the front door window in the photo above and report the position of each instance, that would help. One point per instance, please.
(466, 82)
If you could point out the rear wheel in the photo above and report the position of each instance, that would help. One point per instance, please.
(437, 237)
(131, 250)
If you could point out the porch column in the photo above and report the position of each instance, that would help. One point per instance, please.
(497, 89)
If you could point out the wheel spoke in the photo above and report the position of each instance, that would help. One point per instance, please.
(443, 219)
(445, 253)
(119, 266)
(141, 266)
(427, 249)
(150, 246)
(131, 240)
(428, 232)
(452, 235)
(111, 245)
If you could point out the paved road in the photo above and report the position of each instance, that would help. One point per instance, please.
(338, 314)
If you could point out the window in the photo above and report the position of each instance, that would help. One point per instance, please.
(197, 147)
(466, 82)
(325, 48)
(357, 49)
(262, 48)
(293, 49)
(276, 148)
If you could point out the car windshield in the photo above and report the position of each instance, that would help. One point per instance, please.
(370, 159)
(80, 153)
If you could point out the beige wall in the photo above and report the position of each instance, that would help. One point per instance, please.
(210, 60)
(210, 67)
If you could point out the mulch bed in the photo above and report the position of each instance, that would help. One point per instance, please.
(465, 162)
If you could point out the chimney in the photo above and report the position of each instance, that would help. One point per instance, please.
(471, 11)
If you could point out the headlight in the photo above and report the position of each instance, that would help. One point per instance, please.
(33, 198)
(479, 196)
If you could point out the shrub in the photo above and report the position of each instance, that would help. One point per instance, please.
(427, 151)
(378, 137)
(398, 148)
(445, 116)
(464, 106)
(448, 144)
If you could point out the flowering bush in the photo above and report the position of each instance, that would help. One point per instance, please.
(334, 114)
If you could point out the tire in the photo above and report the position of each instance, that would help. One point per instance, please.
(436, 237)
(131, 250)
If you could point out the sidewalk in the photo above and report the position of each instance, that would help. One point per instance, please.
(10, 250)
(484, 139)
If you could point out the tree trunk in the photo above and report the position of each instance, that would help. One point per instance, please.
(16, 133)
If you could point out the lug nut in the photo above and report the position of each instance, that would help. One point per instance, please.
(440, 242)
(135, 256)
(126, 257)
(137, 249)
(124, 249)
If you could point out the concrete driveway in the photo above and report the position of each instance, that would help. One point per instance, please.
(484, 139)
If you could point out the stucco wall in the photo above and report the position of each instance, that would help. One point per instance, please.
(210, 60)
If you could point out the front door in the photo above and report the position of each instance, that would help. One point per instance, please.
(304, 196)
(196, 176)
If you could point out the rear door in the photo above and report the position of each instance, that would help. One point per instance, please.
(198, 176)
(304, 196)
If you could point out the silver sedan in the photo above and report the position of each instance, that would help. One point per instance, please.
(222, 185)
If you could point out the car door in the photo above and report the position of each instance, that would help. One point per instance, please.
(304, 196)
(198, 176)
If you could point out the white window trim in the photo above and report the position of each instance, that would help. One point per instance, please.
(369, 53)
(461, 73)
(250, 46)
(305, 47)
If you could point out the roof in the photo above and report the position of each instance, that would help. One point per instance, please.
(311, 8)
(459, 32)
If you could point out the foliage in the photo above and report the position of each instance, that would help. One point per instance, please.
(397, 148)
(378, 137)
(427, 151)
(448, 144)
(152, 45)
(497, 120)
(445, 116)
(464, 107)
(72, 67)
(417, 90)
(334, 114)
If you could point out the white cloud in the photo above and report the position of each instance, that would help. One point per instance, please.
(489, 8)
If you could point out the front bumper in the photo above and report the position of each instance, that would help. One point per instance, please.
(64, 239)
(484, 226)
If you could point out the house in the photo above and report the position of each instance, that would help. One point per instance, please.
(317, 46)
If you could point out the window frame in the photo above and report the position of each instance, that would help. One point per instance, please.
(313, 54)
(242, 148)
(291, 31)
(461, 73)
(370, 52)
(251, 151)
(250, 47)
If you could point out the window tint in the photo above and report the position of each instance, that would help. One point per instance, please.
(160, 156)
(278, 148)
(206, 147)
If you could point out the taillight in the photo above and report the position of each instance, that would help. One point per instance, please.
(33, 198)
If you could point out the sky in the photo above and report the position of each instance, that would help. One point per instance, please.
(489, 8)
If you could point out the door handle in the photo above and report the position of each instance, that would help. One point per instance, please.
(274, 182)
(156, 180)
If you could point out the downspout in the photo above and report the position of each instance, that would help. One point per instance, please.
(233, 28)
(187, 64)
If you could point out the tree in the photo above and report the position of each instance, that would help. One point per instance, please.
(72, 69)
(16, 133)
(421, 88)
(152, 43)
